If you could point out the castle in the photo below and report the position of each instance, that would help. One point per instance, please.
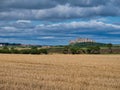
(81, 40)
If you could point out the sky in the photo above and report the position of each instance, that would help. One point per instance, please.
(56, 22)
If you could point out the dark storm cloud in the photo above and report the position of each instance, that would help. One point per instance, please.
(60, 12)
(83, 3)
(27, 4)
(39, 4)
(57, 9)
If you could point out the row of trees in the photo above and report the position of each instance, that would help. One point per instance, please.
(87, 50)
(33, 50)
(64, 50)
(77, 50)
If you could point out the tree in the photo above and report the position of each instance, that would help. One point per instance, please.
(81, 51)
(75, 50)
(13, 50)
(43, 51)
(34, 50)
(93, 50)
(110, 47)
(66, 50)
(25, 51)
(5, 49)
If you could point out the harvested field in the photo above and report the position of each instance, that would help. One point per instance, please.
(59, 72)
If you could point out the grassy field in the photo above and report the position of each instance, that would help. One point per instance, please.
(59, 72)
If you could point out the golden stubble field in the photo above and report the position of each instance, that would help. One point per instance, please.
(59, 72)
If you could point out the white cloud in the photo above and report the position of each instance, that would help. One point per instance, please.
(47, 37)
(8, 29)
(93, 24)
(23, 21)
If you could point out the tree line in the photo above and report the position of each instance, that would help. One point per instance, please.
(32, 50)
(65, 50)
(87, 50)
(77, 50)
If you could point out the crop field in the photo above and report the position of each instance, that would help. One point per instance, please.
(59, 72)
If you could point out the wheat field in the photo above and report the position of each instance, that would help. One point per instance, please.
(59, 72)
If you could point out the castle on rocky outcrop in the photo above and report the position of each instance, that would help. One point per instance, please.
(81, 40)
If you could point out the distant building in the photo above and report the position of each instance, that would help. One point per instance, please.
(81, 40)
(44, 47)
(1, 45)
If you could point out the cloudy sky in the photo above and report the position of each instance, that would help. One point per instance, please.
(54, 22)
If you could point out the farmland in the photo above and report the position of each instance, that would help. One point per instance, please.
(59, 72)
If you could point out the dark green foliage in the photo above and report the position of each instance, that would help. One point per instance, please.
(25, 51)
(88, 44)
(14, 51)
(66, 50)
(78, 48)
(110, 47)
(55, 49)
(5, 50)
(33, 50)
(93, 50)
(81, 51)
(43, 51)
(75, 50)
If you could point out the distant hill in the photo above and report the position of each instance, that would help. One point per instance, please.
(10, 44)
